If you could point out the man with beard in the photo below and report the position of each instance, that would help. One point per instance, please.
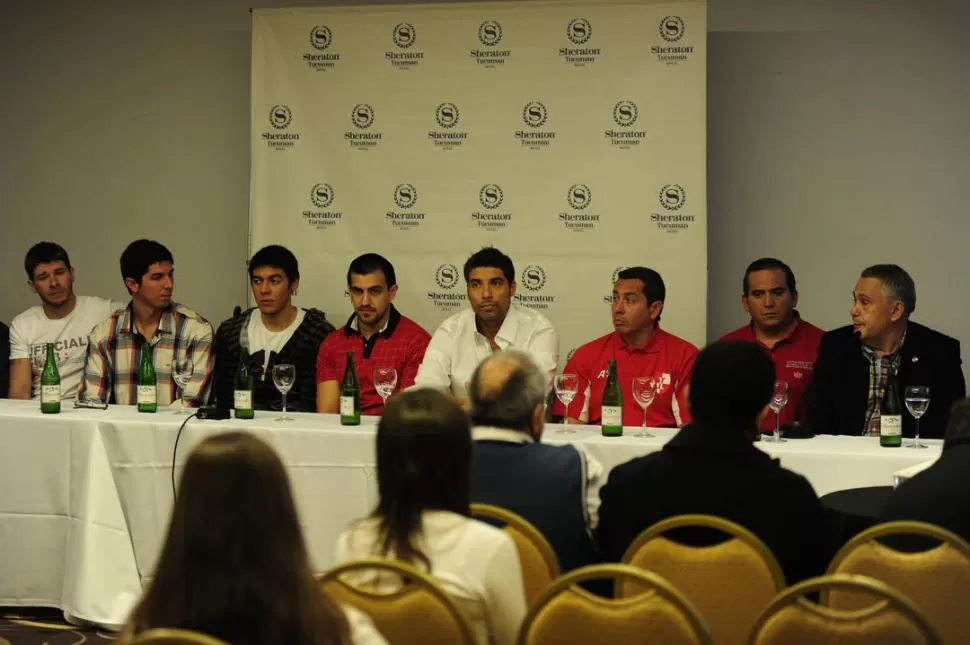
(62, 318)
(377, 334)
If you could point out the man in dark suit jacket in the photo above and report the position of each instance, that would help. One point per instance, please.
(712, 467)
(940, 494)
(853, 361)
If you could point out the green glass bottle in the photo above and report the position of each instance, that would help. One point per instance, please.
(612, 408)
(50, 384)
(147, 385)
(350, 395)
(242, 398)
(891, 414)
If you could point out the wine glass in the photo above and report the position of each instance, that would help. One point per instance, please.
(779, 399)
(182, 373)
(283, 376)
(385, 381)
(644, 392)
(567, 387)
(917, 399)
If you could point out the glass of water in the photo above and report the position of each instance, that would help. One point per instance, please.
(283, 376)
(917, 398)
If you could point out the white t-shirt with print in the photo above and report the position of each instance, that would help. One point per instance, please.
(263, 339)
(31, 330)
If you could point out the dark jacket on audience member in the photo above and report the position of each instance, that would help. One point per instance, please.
(4, 361)
(714, 471)
(939, 495)
(839, 392)
(300, 351)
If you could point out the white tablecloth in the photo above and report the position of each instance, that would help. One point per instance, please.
(85, 495)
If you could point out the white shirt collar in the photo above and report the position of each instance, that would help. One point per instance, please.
(353, 325)
(489, 433)
(505, 337)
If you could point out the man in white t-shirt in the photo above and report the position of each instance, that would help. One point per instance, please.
(63, 318)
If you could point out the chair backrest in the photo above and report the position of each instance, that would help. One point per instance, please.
(888, 619)
(174, 637)
(417, 612)
(936, 579)
(539, 563)
(729, 582)
(567, 614)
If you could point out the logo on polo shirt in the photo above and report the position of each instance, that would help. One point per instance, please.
(404, 36)
(362, 117)
(672, 29)
(490, 35)
(405, 198)
(579, 31)
(579, 219)
(320, 39)
(447, 115)
(321, 217)
(625, 114)
(446, 277)
(533, 278)
(280, 118)
(534, 115)
(672, 198)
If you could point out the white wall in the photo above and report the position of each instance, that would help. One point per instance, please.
(838, 138)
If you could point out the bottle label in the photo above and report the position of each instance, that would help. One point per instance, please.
(890, 425)
(612, 415)
(146, 395)
(50, 393)
(242, 399)
(346, 406)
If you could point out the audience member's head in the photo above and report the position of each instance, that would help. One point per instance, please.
(234, 564)
(508, 390)
(731, 384)
(148, 272)
(883, 300)
(423, 460)
(50, 274)
(958, 427)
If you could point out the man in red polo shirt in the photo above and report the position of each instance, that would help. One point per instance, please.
(377, 334)
(640, 348)
(770, 297)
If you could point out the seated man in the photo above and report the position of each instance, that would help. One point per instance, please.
(712, 467)
(640, 348)
(279, 332)
(62, 318)
(377, 334)
(769, 296)
(940, 494)
(492, 323)
(853, 361)
(556, 488)
(175, 332)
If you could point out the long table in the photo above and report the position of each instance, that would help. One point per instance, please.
(85, 495)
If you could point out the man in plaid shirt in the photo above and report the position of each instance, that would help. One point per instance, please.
(175, 332)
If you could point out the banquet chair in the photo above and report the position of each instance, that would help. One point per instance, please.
(417, 612)
(729, 582)
(936, 579)
(567, 614)
(174, 637)
(536, 557)
(889, 617)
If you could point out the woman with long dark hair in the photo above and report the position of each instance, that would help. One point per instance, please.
(234, 564)
(423, 458)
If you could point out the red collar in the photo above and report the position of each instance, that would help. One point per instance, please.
(789, 338)
(650, 347)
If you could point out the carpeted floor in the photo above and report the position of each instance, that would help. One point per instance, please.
(36, 626)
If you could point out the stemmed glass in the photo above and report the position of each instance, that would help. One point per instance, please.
(283, 376)
(182, 373)
(644, 392)
(385, 381)
(567, 387)
(917, 399)
(779, 399)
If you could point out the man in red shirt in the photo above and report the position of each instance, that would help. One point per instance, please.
(770, 297)
(377, 334)
(640, 348)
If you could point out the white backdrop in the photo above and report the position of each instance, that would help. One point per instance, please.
(571, 137)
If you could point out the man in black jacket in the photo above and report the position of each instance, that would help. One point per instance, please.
(940, 494)
(854, 361)
(275, 332)
(712, 467)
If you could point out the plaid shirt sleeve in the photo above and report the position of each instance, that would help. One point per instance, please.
(198, 339)
(96, 381)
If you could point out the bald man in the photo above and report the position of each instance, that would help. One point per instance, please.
(556, 488)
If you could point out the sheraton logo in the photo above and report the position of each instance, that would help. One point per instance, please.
(281, 137)
(672, 199)
(446, 298)
(447, 116)
(405, 198)
(672, 29)
(320, 60)
(579, 31)
(534, 115)
(404, 35)
(362, 116)
(536, 296)
(320, 216)
(490, 35)
(491, 196)
(579, 218)
(625, 115)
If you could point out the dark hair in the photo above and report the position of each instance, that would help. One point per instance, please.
(424, 452)
(234, 564)
(731, 383)
(765, 264)
(371, 262)
(489, 256)
(511, 405)
(44, 253)
(653, 285)
(958, 425)
(278, 256)
(897, 282)
(140, 255)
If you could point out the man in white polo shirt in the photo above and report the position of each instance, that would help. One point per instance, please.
(491, 324)
(63, 318)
